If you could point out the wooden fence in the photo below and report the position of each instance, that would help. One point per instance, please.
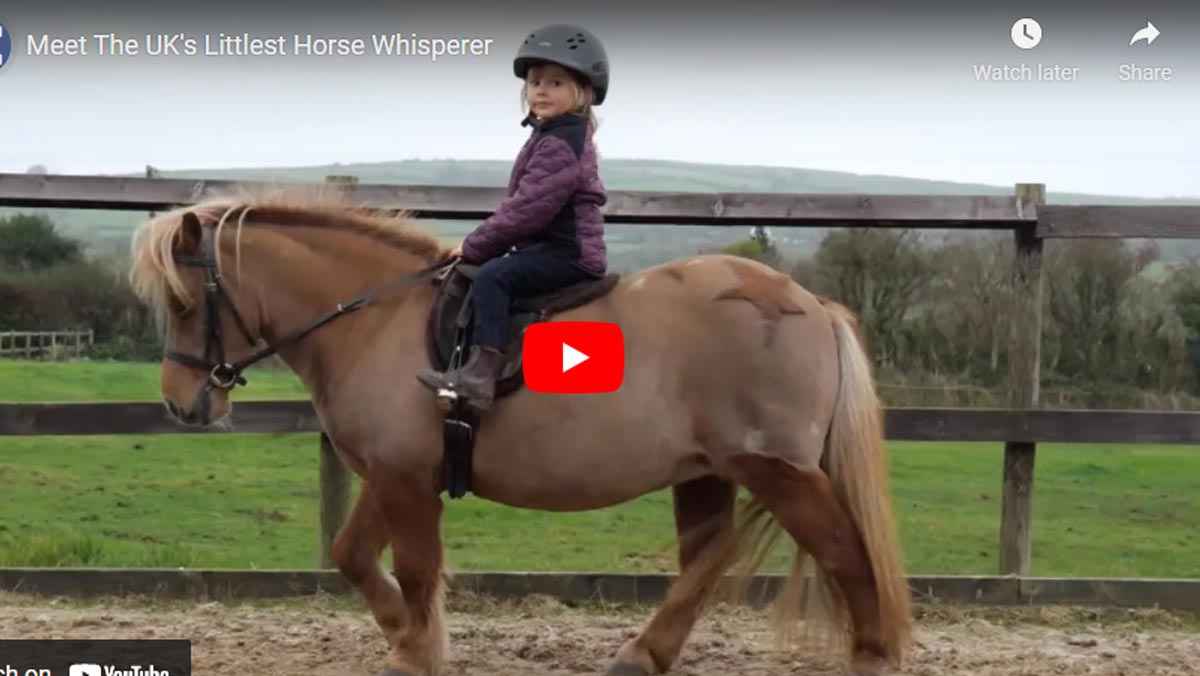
(38, 344)
(1025, 213)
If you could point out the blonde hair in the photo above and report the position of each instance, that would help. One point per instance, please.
(581, 104)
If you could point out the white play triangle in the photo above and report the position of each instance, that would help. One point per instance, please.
(572, 358)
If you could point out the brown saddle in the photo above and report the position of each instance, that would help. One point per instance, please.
(450, 320)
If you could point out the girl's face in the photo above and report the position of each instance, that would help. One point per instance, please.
(549, 91)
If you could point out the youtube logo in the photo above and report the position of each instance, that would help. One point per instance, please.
(573, 357)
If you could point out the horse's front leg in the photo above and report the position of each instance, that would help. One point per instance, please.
(356, 551)
(411, 514)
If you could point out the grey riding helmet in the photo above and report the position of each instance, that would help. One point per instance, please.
(569, 46)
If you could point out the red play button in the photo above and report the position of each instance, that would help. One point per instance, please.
(573, 357)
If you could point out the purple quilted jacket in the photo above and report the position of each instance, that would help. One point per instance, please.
(554, 199)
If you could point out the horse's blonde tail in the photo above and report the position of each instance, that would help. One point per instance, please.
(856, 462)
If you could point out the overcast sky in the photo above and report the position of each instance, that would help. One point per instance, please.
(862, 88)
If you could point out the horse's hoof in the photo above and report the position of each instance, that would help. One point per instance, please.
(626, 669)
(392, 672)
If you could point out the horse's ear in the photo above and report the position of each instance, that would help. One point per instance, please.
(189, 233)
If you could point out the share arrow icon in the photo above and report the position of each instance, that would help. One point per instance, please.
(1149, 33)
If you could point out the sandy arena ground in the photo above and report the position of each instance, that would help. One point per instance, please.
(336, 637)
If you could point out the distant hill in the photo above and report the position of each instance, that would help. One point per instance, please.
(109, 231)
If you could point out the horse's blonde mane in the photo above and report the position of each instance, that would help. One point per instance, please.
(155, 276)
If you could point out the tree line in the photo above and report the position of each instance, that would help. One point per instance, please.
(1119, 329)
(49, 283)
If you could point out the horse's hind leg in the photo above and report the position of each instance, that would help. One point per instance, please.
(803, 502)
(411, 513)
(703, 521)
(356, 551)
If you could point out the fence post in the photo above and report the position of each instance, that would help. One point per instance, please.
(1024, 376)
(335, 477)
(335, 498)
(151, 172)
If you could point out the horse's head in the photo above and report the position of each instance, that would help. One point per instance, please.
(210, 326)
(210, 270)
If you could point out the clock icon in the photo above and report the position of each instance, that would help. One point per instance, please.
(1026, 33)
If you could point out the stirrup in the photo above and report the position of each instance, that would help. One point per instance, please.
(447, 397)
(445, 394)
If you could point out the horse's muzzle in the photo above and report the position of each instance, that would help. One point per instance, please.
(193, 417)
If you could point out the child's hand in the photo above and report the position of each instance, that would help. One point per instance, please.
(455, 251)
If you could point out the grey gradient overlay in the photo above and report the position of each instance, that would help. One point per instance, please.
(868, 87)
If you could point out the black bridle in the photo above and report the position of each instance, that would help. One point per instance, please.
(222, 374)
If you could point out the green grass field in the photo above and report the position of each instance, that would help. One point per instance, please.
(251, 500)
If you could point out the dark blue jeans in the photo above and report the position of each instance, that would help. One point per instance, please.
(518, 275)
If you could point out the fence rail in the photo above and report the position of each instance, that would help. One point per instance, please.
(34, 344)
(901, 424)
(229, 584)
(979, 212)
(1025, 213)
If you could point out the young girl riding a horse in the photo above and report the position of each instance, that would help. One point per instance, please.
(766, 388)
(548, 233)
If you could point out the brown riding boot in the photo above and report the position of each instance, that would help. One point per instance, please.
(476, 379)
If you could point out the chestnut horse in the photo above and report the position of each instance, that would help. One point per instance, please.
(735, 377)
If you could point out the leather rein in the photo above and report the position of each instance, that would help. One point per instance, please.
(224, 375)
